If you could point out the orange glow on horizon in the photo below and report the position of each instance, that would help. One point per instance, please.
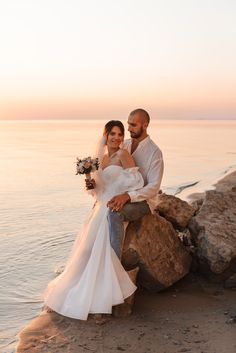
(46, 108)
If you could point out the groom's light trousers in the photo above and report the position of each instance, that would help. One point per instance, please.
(130, 212)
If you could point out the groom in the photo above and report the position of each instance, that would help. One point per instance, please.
(133, 205)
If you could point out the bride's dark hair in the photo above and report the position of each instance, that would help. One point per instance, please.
(108, 127)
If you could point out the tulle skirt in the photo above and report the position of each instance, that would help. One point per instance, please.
(94, 279)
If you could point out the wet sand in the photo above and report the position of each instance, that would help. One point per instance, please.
(192, 316)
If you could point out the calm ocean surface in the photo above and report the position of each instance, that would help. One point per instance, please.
(43, 203)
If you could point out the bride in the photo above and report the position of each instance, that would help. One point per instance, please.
(94, 279)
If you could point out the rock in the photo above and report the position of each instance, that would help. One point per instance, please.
(197, 203)
(175, 210)
(214, 232)
(227, 183)
(153, 244)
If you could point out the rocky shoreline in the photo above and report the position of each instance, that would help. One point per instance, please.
(183, 237)
(186, 302)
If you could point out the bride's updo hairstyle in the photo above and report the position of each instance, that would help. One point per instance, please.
(108, 127)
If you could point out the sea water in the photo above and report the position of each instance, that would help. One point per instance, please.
(43, 203)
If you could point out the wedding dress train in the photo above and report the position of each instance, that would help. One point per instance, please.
(94, 279)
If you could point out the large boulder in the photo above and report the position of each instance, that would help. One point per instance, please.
(175, 210)
(214, 232)
(153, 244)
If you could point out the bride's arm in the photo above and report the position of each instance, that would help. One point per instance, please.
(126, 159)
(133, 180)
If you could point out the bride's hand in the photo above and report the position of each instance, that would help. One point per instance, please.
(89, 183)
(117, 202)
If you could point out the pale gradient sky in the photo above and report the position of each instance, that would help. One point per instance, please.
(100, 59)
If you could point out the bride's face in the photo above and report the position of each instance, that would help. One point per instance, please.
(115, 137)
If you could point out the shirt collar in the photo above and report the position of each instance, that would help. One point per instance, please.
(142, 143)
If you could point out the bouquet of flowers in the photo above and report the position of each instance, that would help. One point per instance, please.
(87, 166)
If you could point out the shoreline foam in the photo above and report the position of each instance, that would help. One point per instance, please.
(198, 190)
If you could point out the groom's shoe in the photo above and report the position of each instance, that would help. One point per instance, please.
(133, 276)
(100, 319)
(122, 310)
(125, 309)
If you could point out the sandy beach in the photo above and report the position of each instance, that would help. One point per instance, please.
(195, 315)
(192, 316)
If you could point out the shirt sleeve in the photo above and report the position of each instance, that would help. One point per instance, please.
(154, 177)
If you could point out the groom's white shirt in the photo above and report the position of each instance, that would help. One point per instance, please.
(148, 157)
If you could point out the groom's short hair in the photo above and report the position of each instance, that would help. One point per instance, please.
(142, 113)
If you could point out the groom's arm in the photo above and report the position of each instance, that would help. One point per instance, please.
(154, 178)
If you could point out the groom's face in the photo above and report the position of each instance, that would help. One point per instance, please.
(135, 126)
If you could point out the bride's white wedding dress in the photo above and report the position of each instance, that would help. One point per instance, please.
(94, 279)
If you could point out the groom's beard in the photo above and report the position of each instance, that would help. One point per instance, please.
(137, 134)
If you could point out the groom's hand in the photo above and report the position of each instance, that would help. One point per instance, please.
(117, 202)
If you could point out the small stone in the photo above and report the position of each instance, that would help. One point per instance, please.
(218, 292)
(63, 344)
(230, 282)
(186, 330)
(176, 343)
(231, 320)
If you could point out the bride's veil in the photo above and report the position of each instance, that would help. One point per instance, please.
(99, 152)
(100, 149)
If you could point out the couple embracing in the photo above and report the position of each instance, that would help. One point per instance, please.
(126, 188)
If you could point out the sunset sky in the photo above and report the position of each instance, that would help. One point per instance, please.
(67, 59)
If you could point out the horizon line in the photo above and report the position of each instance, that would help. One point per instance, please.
(77, 119)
